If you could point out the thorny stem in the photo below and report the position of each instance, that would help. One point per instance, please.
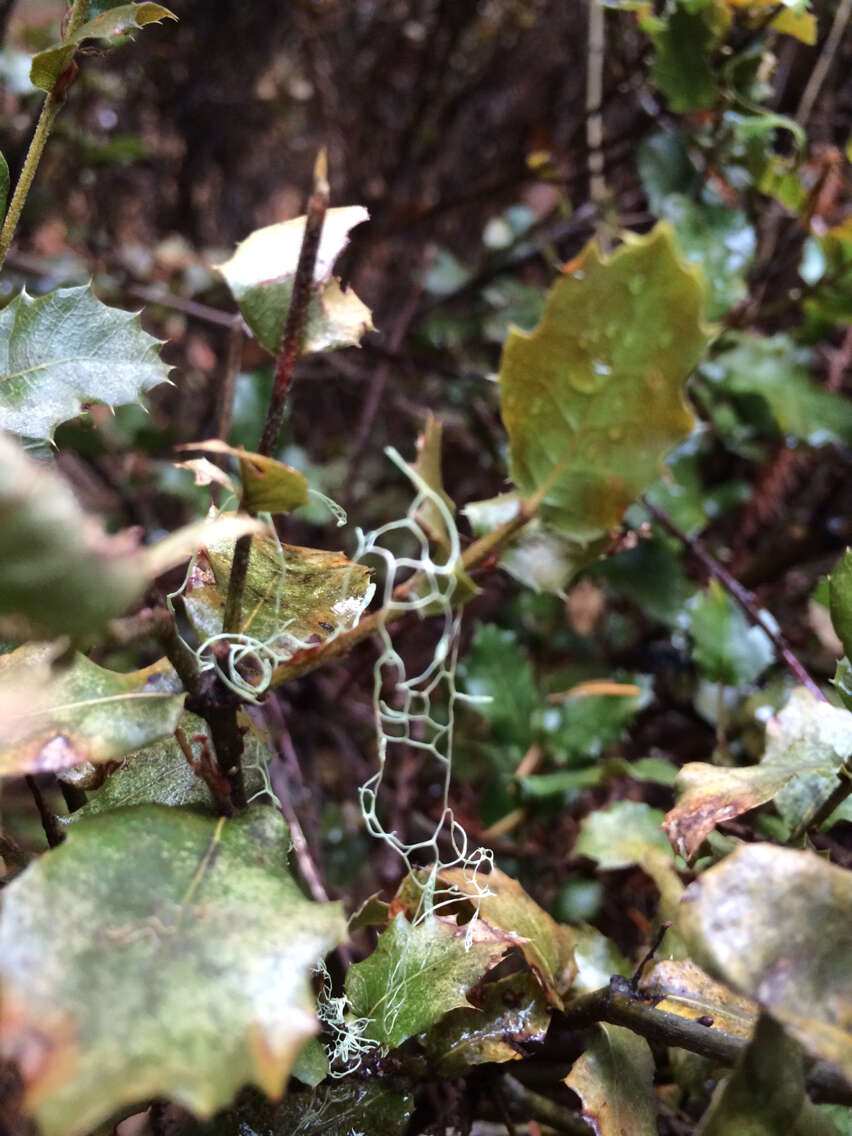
(742, 596)
(288, 353)
(49, 110)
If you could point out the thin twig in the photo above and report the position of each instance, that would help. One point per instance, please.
(826, 57)
(742, 596)
(203, 312)
(233, 358)
(308, 868)
(50, 108)
(49, 823)
(291, 347)
(594, 99)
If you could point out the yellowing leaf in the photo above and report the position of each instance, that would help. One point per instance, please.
(157, 953)
(800, 25)
(260, 275)
(775, 925)
(806, 738)
(56, 716)
(269, 486)
(592, 399)
(47, 65)
(614, 1078)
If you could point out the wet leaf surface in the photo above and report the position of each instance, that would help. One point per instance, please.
(157, 953)
(617, 341)
(775, 925)
(614, 1078)
(58, 716)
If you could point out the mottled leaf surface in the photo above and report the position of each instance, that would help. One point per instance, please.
(617, 341)
(301, 594)
(509, 1015)
(268, 486)
(808, 740)
(614, 1078)
(680, 987)
(260, 275)
(116, 21)
(57, 716)
(65, 349)
(157, 953)
(418, 973)
(765, 1094)
(547, 946)
(775, 925)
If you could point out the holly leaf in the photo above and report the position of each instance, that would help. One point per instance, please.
(682, 66)
(626, 833)
(260, 275)
(776, 373)
(420, 972)
(840, 600)
(159, 774)
(774, 924)
(60, 714)
(680, 987)
(293, 595)
(547, 946)
(64, 349)
(157, 953)
(765, 1094)
(726, 648)
(269, 486)
(808, 739)
(340, 1108)
(115, 22)
(497, 673)
(510, 1014)
(614, 1078)
(59, 571)
(617, 341)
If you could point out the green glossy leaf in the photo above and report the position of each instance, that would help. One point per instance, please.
(65, 349)
(269, 486)
(765, 1094)
(682, 66)
(618, 339)
(157, 953)
(719, 239)
(776, 371)
(298, 595)
(583, 725)
(614, 1078)
(59, 571)
(57, 716)
(496, 670)
(598, 959)
(775, 925)
(840, 600)
(665, 167)
(652, 577)
(808, 741)
(547, 946)
(726, 648)
(349, 1107)
(509, 1014)
(260, 275)
(311, 1066)
(418, 973)
(114, 22)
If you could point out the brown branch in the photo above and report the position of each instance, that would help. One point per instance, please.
(288, 353)
(609, 1004)
(49, 823)
(742, 596)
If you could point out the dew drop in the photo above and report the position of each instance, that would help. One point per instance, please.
(601, 368)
